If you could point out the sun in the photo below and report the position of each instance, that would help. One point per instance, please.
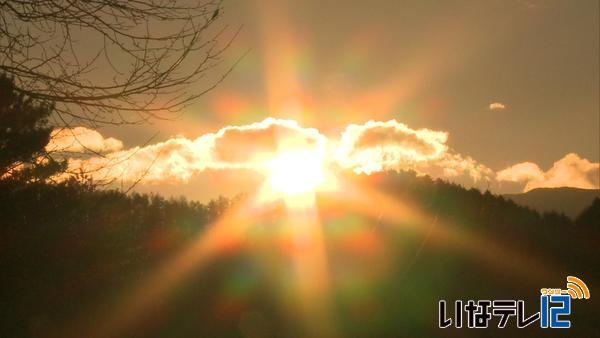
(295, 175)
(296, 172)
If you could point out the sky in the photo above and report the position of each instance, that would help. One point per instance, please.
(498, 94)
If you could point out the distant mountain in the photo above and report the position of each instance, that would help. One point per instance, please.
(570, 201)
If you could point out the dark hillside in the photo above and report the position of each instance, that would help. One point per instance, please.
(68, 249)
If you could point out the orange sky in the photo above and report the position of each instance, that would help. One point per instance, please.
(508, 81)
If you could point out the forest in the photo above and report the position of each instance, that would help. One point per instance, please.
(70, 247)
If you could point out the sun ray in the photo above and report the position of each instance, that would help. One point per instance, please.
(222, 236)
(401, 212)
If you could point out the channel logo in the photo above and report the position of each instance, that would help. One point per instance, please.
(555, 307)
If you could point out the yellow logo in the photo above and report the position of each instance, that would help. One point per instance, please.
(577, 288)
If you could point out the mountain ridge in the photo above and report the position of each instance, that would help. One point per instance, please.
(567, 200)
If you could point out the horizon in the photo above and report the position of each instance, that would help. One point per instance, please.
(299, 169)
(513, 104)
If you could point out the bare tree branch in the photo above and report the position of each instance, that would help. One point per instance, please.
(112, 61)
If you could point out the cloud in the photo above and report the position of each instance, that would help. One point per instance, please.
(497, 106)
(375, 145)
(257, 141)
(174, 160)
(525, 171)
(364, 148)
(177, 159)
(570, 171)
(456, 167)
(81, 140)
(378, 146)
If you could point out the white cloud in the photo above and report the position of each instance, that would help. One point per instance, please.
(370, 147)
(257, 141)
(81, 140)
(497, 106)
(378, 146)
(373, 146)
(454, 166)
(177, 159)
(525, 171)
(570, 171)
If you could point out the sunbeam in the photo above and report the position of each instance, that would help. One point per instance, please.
(225, 235)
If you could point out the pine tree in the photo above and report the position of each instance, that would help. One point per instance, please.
(24, 134)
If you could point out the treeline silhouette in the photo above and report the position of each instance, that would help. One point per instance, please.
(66, 247)
(495, 215)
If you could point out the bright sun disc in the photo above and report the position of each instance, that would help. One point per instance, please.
(297, 172)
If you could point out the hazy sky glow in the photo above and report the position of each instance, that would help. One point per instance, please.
(500, 91)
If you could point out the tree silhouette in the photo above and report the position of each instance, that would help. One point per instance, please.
(111, 61)
(590, 216)
(67, 248)
(24, 133)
